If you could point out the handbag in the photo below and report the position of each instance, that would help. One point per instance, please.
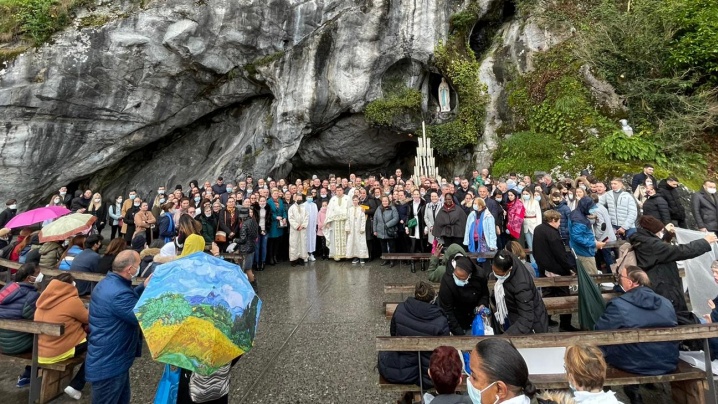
(413, 222)
(220, 237)
(209, 388)
(168, 385)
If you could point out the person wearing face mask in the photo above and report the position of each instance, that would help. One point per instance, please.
(114, 338)
(532, 217)
(639, 307)
(18, 302)
(515, 213)
(98, 209)
(356, 226)
(60, 303)
(129, 220)
(519, 305)
(9, 212)
(658, 258)
(385, 223)
(499, 374)
(582, 240)
(209, 222)
(705, 207)
(668, 189)
(450, 222)
(640, 194)
(432, 209)
(480, 232)
(126, 206)
(463, 289)
(586, 373)
(417, 316)
(415, 227)
(115, 213)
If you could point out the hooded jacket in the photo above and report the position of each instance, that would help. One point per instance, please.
(50, 254)
(412, 318)
(565, 211)
(17, 302)
(640, 307)
(437, 266)
(60, 303)
(657, 207)
(582, 240)
(658, 259)
(459, 302)
(524, 303)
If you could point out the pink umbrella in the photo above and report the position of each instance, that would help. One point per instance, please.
(35, 216)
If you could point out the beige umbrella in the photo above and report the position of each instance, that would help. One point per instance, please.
(67, 226)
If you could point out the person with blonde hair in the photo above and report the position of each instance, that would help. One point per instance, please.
(98, 209)
(586, 373)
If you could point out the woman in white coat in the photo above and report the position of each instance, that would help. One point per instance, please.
(531, 219)
(432, 209)
(298, 222)
(356, 237)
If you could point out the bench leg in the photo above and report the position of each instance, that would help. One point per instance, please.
(688, 392)
(54, 382)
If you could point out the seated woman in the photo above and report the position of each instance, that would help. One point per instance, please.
(586, 372)
(76, 246)
(60, 303)
(417, 316)
(519, 305)
(17, 302)
(462, 291)
(116, 246)
(446, 372)
(499, 374)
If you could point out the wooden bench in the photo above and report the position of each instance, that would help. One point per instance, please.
(46, 381)
(49, 273)
(554, 305)
(687, 383)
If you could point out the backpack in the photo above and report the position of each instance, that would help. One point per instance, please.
(626, 257)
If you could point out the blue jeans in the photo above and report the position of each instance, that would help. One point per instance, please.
(530, 245)
(260, 249)
(115, 390)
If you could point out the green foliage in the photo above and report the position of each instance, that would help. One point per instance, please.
(94, 20)
(459, 65)
(384, 111)
(695, 45)
(35, 20)
(170, 308)
(618, 146)
(526, 152)
(252, 67)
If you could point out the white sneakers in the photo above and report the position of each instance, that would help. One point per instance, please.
(73, 393)
(355, 261)
(311, 258)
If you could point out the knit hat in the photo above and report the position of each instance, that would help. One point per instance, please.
(138, 242)
(650, 223)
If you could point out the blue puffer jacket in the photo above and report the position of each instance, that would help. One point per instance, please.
(17, 302)
(565, 211)
(412, 318)
(640, 308)
(582, 241)
(114, 339)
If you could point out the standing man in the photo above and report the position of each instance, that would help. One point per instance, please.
(640, 178)
(550, 255)
(705, 207)
(298, 223)
(114, 338)
(621, 207)
(9, 212)
(219, 188)
(668, 190)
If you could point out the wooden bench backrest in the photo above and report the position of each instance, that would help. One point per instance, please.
(52, 272)
(563, 339)
(33, 327)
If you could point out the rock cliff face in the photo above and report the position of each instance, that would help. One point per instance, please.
(186, 88)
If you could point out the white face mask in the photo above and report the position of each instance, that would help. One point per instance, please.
(57, 200)
(63, 193)
(39, 278)
(137, 204)
(459, 282)
(475, 395)
(14, 206)
(74, 285)
(97, 200)
(709, 190)
(132, 196)
(162, 200)
(161, 191)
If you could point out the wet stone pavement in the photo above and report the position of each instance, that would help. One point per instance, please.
(315, 342)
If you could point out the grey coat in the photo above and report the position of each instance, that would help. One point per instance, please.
(385, 221)
(705, 211)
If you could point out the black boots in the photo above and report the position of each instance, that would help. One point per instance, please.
(423, 266)
(412, 266)
(385, 263)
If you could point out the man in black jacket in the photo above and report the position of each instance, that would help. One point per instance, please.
(640, 178)
(462, 290)
(9, 212)
(668, 189)
(655, 205)
(705, 207)
(550, 255)
(418, 316)
(519, 306)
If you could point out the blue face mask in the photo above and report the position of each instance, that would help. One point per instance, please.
(459, 282)
(502, 278)
(310, 199)
(537, 198)
(475, 395)
(229, 189)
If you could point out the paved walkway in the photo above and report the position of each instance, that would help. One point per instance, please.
(315, 342)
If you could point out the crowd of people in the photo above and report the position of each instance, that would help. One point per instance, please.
(513, 229)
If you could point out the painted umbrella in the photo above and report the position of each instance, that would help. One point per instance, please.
(67, 226)
(35, 216)
(198, 313)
